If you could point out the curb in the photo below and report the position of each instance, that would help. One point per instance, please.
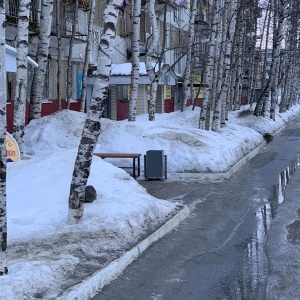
(89, 287)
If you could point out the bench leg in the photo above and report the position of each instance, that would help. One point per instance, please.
(134, 168)
(166, 172)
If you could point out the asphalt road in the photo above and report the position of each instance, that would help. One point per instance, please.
(220, 251)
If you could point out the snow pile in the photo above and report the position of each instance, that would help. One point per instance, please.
(188, 148)
(43, 250)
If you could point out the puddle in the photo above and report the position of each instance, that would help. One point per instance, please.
(250, 282)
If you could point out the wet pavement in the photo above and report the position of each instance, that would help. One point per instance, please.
(283, 243)
(240, 242)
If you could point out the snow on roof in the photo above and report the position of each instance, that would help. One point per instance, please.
(125, 69)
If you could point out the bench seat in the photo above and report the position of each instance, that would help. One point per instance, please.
(134, 156)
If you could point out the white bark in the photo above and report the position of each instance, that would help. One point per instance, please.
(275, 77)
(3, 218)
(71, 44)
(231, 23)
(59, 49)
(135, 48)
(87, 55)
(191, 38)
(151, 53)
(260, 104)
(222, 74)
(92, 125)
(21, 76)
(42, 60)
(277, 39)
(238, 75)
(209, 67)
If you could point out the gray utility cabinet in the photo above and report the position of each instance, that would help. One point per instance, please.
(155, 164)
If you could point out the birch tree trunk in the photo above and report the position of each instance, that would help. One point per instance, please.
(135, 70)
(231, 25)
(277, 38)
(92, 125)
(21, 76)
(222, 74)
(42, 60)
(209, 67)
(58, 29)
(253, 52)
(151, 53)
(259, 107)
(239, 45)
(71, 44)
(3, 218)
(283, 103)
(87, 55)
(187, 71)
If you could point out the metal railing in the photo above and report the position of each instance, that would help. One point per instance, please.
(12, 11)
(66, 20)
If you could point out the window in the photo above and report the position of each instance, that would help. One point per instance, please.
(178, 63)
(83, 4)
(198, 52)
(123, 92)
(178, 13)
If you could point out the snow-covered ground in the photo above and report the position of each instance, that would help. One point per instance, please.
(45, 254)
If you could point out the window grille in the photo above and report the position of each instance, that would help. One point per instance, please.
(83, 4)
(12, 11)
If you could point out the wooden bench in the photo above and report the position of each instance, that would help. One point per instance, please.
(134, 156)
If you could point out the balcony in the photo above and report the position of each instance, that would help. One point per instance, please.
(82, 4)
(12, 11)
(66, 20)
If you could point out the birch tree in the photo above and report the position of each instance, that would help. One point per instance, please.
(277, 38)
(150, 54)
(261, 102)
(231, 19)
(21, 76)
(42, 59)
(253, 55)
(135, 60)
(87, 55)
(191, 38)
(289, 77)
(92, 125)
(3, 218)
(59, 49)
(223, 71)
(207, 83)
(71, 44)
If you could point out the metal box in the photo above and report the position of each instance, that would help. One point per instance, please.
(155, 164)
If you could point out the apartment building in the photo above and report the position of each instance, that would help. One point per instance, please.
(172, 23)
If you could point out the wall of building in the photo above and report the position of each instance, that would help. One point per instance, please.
(47, 109)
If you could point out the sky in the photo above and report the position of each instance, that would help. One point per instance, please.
(45, 254)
